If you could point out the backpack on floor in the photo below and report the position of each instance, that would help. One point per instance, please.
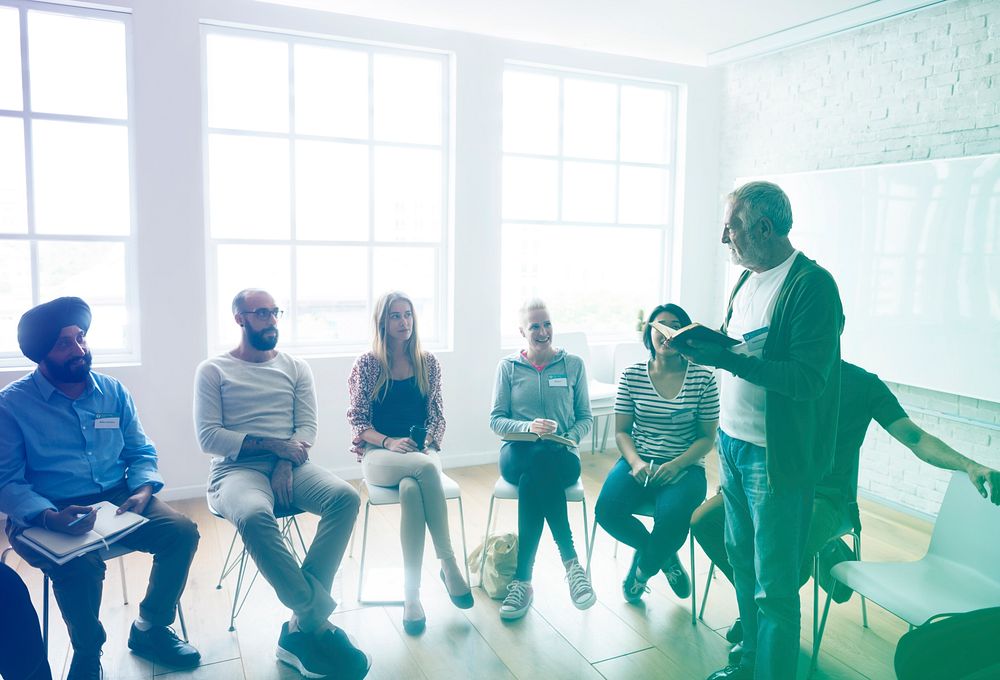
(960, 646)
(499, 565)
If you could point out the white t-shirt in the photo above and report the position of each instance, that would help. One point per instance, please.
(742, 403)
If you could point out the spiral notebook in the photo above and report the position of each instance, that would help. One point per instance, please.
(61, 548)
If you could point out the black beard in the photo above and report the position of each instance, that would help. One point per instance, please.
(259, 342)
(70, 371)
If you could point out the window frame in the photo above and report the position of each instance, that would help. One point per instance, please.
(443, 248)
(130, 354)
(666, 229)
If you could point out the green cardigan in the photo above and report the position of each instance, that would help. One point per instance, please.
(800, 369)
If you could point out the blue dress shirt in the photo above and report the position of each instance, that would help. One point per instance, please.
(54, 448)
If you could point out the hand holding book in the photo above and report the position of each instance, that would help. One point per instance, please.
(74, 520)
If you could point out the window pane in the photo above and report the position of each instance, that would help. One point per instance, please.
(247, 83)
(642, 198)
(250, 266)
(248, 187)
(15, 290)
(530, 189)
(331, 92)
(13, 196)
(94, 272)
(644, 125)
(590, 115)
(77, 65)
(413, 271)
(81, 174)
(588, 192)
(332, 302)
(530, 113)
(408, 99)
(10, 60)
(601, 305)
(331, 191)
(408, 195)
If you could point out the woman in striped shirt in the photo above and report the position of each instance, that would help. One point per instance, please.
(666, 415)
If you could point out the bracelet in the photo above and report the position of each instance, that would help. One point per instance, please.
(384, 440)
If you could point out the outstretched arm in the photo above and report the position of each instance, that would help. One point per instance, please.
(930, 449)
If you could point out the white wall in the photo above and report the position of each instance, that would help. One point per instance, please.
(925, 85)
(171, 223)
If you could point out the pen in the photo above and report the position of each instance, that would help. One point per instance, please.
(80, 518)
(652, 469)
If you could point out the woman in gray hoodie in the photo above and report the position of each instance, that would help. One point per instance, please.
(541, 390)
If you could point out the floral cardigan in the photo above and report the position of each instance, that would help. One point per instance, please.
(364, 375)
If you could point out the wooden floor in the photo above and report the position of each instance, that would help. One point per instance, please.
(612, 639)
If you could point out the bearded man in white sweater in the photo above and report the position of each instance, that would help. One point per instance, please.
(255, 412)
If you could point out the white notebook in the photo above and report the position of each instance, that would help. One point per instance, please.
(108, 528)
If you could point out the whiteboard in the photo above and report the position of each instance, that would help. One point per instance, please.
(915, 250)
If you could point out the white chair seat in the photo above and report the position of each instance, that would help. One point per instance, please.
(601, 391)
(504, 490)
(389, 495)
(892, 585)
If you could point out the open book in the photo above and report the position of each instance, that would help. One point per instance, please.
(531, 436)
(695, 331)
(108, 528)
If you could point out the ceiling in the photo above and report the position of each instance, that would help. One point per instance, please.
(697, 32)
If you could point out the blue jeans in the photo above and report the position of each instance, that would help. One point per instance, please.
(673, 504)
(766, 532)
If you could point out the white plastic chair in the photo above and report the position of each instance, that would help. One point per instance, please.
(959, 573)
(389, 495)
(646, 510)
(504, 490)
(602, 394)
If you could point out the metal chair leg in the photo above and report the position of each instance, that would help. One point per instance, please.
(815, 598)
(486, 535)
(180, 618)
(298, 532)
(45, 615)
(864, 604)
(239, 585)
(590, 550)
(818, 637)
(226, 566)
(694, 590)
(586, 533)
(364, 548)
(704, 596)
(121, 570)
(465, 550)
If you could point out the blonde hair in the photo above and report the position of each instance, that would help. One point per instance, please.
(380, 345)
(530, 305)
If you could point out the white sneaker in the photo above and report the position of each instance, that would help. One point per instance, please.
(518, 600)
(580, 590)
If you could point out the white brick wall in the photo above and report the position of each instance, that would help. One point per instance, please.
(925, 85)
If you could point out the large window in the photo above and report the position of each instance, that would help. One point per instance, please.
(327, 182)
(66, 224)
(588, 179)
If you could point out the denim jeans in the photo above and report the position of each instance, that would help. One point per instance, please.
(621, 495)
(765, 537)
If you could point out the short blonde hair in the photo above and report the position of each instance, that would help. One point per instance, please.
(530, 305)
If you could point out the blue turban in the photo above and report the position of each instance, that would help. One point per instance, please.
(40, 326)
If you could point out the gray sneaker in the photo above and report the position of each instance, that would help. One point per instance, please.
(580, 590)
(518, 600)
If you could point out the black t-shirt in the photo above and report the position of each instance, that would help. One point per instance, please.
(863, 398)
(403, 407)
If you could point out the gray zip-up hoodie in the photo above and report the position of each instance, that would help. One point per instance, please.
(558, 392)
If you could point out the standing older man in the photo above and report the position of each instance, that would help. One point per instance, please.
(69, 438)
(778, 420)
(255, 411)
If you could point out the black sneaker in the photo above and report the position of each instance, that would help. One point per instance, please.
(735, 632)
(677, 577)
(302, 652)
(85, 667)
(632, 588)
(833, 553)
(341, 653)
(161, 644)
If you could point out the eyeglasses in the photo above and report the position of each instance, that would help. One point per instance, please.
(263, 313)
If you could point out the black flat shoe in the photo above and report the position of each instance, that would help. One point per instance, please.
(464, 601)
(415, 626)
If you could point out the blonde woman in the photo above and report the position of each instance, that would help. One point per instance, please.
(397, 417)
(541, 389)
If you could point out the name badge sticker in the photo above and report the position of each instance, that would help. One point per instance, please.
(103, 422)
(754, 341)
(684, 416)
(558, 380)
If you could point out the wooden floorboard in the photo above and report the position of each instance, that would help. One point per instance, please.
(613, 639)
